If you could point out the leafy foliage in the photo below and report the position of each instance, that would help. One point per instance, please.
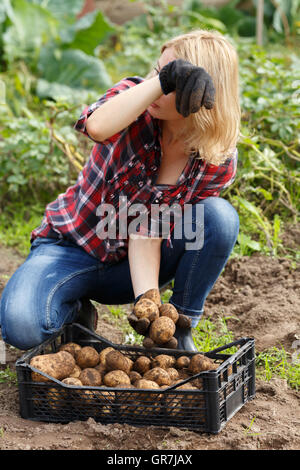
(47, 35)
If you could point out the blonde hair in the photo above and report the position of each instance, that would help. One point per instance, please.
(213, 133)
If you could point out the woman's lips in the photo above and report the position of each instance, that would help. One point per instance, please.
(154, 105)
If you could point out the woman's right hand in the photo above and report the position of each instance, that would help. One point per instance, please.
(193, 86)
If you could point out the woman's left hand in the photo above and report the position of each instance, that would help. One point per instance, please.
(193, 86)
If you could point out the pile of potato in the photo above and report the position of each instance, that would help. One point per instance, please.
(157, 321)
(84, 366)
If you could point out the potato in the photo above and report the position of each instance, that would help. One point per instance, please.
(55, 398)
(168, 310)
(70, 347)
(186, 405)
(72, 381)
(164, 361)
(142, 365)
(162, 330)
(173, 374)
(146, 384)
(116, 377)
(197, 383)
(158, 375)
(171, 344)
(101, 368)
(182, 361)
(87, 397)
(90, 377)
(58, 365)
(125, 386)
(186, 386)
(87, 357)
(115, 360)
(134, 376)
(184, 373)
(105, 400)
(200, 363)
(76, 372)
(103, 354)
(146, 308)
(106, 396)
(154, 295)
(146, 397)
(184, 321)
(100, 400)
(140, 325)
(148, 343)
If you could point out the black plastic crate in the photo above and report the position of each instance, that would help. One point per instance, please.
(221, 394)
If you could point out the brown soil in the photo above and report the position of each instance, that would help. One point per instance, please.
(261, 295)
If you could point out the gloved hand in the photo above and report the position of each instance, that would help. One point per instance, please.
(193, 86)
(141, 325)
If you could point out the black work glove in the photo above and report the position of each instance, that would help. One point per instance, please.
(193, 86)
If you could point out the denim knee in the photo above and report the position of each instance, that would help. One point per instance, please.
(221, 222)
(19, 324)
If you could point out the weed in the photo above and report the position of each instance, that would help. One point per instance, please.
(8, 376)
(248, 431)
(278, 362)
(210, 335)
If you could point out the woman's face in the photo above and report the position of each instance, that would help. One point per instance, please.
(164, 107)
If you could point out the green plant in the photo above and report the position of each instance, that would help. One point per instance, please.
(210, 334)
(278, 362)
(17, 222)
(57, 47)
(8, 376)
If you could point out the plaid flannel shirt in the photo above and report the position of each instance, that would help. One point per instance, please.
(125, 167)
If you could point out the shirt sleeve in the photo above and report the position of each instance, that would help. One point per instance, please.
(123, 85)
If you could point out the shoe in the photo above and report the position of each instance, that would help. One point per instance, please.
(87, 317)
(185, 339)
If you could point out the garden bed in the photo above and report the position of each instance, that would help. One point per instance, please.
(261, 294)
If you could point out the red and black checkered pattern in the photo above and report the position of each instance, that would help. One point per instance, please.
(126, 165)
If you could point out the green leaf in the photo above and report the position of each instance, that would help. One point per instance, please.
(73, 69)
(245, 241)
(267, 195)
(61, 9)
(32, 26)
(247, 27)
(211, 22)
(88, 32)
(230, 15)
(250, 207)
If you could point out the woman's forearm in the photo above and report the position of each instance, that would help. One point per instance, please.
(121, 110)
(144, 262)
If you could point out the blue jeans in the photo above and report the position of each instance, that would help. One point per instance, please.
(43, 294)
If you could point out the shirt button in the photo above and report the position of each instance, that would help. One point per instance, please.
(140, 184)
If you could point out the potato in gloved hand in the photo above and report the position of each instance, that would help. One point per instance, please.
(157, 321)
